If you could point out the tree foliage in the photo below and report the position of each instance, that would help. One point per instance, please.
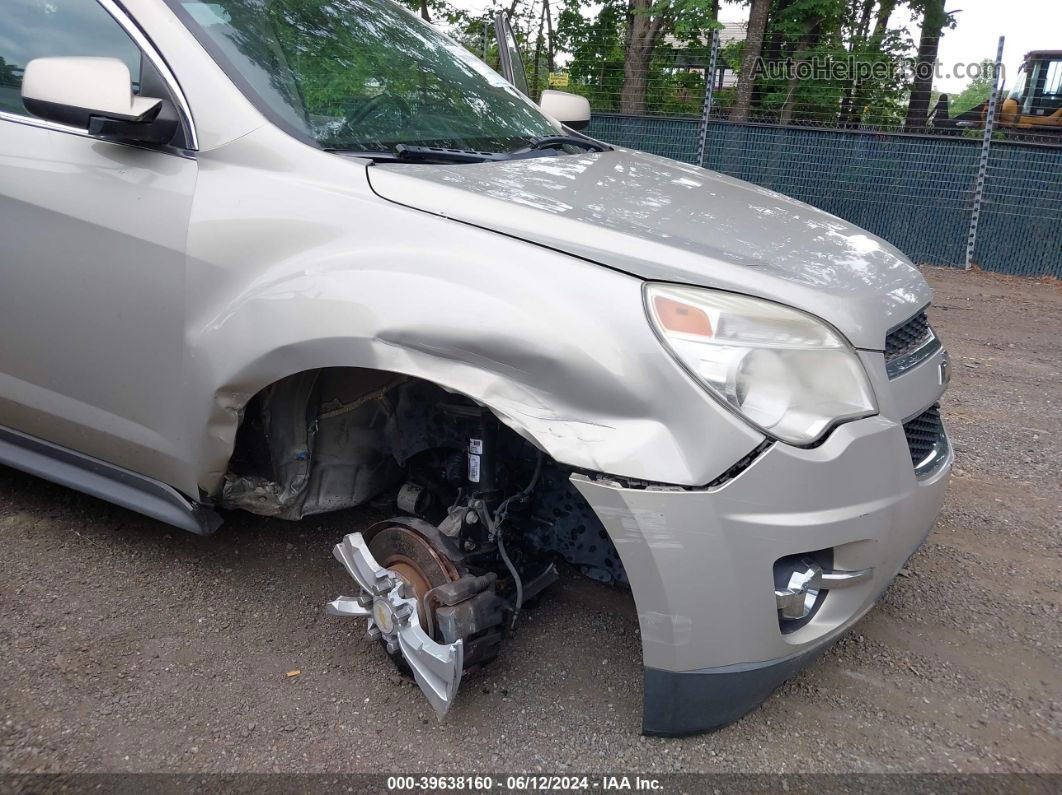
(977, 91)
(650, 56)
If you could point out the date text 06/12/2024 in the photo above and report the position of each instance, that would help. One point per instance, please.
(531, 783)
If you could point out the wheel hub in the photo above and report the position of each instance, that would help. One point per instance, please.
(416, 562)
(383, 616)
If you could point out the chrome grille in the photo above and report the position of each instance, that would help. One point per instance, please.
(908, 344)
(926, 440)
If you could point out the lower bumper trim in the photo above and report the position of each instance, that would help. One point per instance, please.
(687, 702)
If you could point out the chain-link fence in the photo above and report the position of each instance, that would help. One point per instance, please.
(971, 178)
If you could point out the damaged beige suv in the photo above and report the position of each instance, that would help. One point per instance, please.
(287, 257)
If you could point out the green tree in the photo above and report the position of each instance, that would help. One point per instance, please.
(877, 48)
(977, 91)
(934, 20)
(8, 74)
(595, 46)
(754, 33)
(647, 24)
(437, 11)
(863, 84)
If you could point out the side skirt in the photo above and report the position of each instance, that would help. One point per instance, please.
(106, 481)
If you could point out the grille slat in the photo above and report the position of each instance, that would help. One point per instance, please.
(909, 344)
(926, 440)
(906, 338)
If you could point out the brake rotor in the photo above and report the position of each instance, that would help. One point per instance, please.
(412, 557)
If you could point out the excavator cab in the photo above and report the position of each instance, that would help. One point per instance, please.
(1035, 102)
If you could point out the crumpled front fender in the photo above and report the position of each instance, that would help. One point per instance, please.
(557, 347)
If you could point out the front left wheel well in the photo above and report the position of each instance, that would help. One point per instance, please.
(334, 438)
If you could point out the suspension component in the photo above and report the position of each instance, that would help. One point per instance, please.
(442, 598)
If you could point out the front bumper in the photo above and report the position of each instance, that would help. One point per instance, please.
(701, 564)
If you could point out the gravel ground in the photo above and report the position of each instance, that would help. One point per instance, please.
(128, 646)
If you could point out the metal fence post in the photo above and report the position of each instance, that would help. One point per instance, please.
(709, 91)
(982, 165)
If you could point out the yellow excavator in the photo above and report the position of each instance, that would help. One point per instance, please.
(1033, 105)
(1035, 102)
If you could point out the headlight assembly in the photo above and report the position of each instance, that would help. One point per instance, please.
(786, 372)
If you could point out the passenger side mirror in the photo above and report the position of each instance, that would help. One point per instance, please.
(571, 110)
(95, 94)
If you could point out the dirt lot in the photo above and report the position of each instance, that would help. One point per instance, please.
(126, 645)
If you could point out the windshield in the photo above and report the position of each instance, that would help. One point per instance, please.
(362, 75)
(1018, 92)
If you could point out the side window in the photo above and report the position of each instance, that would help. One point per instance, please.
(1051, 100)
(39, 28)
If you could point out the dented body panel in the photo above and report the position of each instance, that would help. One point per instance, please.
(257, 296)
(555, 345)
(879, 513)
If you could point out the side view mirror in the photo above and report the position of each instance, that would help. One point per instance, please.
(569, 109)
(95, 94)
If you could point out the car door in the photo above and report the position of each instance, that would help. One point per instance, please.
(92, 254)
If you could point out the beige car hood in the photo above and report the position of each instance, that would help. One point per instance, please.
(662, 220)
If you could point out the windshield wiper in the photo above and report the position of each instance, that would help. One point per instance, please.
(535, 147)
(441, 154)
(557, 141)
(407, 153)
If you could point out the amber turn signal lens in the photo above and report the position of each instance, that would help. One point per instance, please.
(681, 318)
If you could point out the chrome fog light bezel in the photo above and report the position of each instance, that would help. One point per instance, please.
(807, 581)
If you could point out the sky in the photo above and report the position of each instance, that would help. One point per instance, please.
(1026, 24)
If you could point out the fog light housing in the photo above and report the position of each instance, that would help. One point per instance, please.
(801, 583)
(796, 600)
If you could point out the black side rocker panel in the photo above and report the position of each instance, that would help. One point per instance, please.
(106, 481)
(686, 702)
